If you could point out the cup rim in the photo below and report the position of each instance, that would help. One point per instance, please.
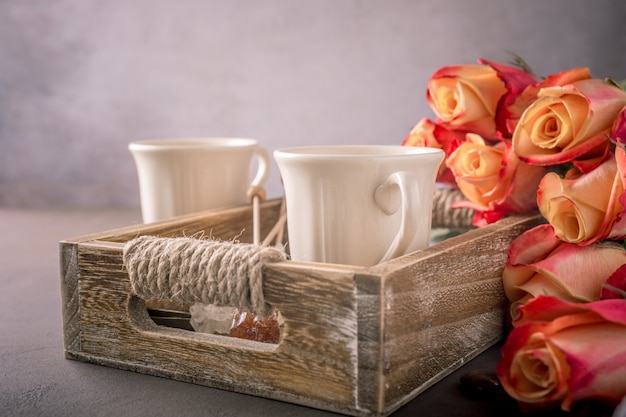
(355, 151)
(187, 143)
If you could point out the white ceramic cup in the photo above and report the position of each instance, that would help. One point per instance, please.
(357, 205)
(185, 175)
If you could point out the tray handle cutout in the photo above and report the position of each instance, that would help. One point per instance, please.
(186, 271)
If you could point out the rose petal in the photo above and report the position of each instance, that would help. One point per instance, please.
(515, 81)
(573, 272)
(597, 357)
(540, 263)
(615, 287)
(548, 309)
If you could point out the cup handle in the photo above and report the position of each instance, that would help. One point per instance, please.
(409, 192)
(263, 169)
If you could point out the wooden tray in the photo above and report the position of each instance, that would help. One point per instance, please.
(357, 341)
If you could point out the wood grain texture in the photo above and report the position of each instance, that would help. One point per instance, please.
(69, 296)
(442, 306)
(316, 357)
(358, 341)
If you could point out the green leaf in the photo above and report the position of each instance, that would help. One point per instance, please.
(519, 62)
(614, 83)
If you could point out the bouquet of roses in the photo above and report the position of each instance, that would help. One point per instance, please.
(515, 143)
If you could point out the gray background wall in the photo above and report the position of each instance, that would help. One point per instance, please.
(79, 79)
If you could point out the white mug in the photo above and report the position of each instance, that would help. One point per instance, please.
(357, 205)
(185, 175)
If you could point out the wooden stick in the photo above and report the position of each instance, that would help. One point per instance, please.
(256, 220)
(282, 220)
(278, 228)
(257, 194)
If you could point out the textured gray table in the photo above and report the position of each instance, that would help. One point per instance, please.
(37, 380)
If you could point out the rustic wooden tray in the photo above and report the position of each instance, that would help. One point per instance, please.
(357, 341)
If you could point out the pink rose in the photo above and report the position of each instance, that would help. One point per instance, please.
(435, 135)
(539, 263)
(569, 123)
(585, 208)
(493, 180)
(560, 353)
(465, 97)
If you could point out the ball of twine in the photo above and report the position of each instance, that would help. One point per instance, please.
(444, 216)
(187, 270)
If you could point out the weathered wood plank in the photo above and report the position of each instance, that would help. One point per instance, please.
(69, 295)
(370, 342)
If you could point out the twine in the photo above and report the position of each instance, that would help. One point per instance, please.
(444, 216)
(187, 270)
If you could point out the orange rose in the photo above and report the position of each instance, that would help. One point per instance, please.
(466, 97)
(540, 263)
(569, 124)
(585, 208)
(529, 95)
(494, 181)
(434, 135)
(560, 353)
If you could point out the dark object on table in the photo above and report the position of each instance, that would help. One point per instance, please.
(481, 385)
(485, 386)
